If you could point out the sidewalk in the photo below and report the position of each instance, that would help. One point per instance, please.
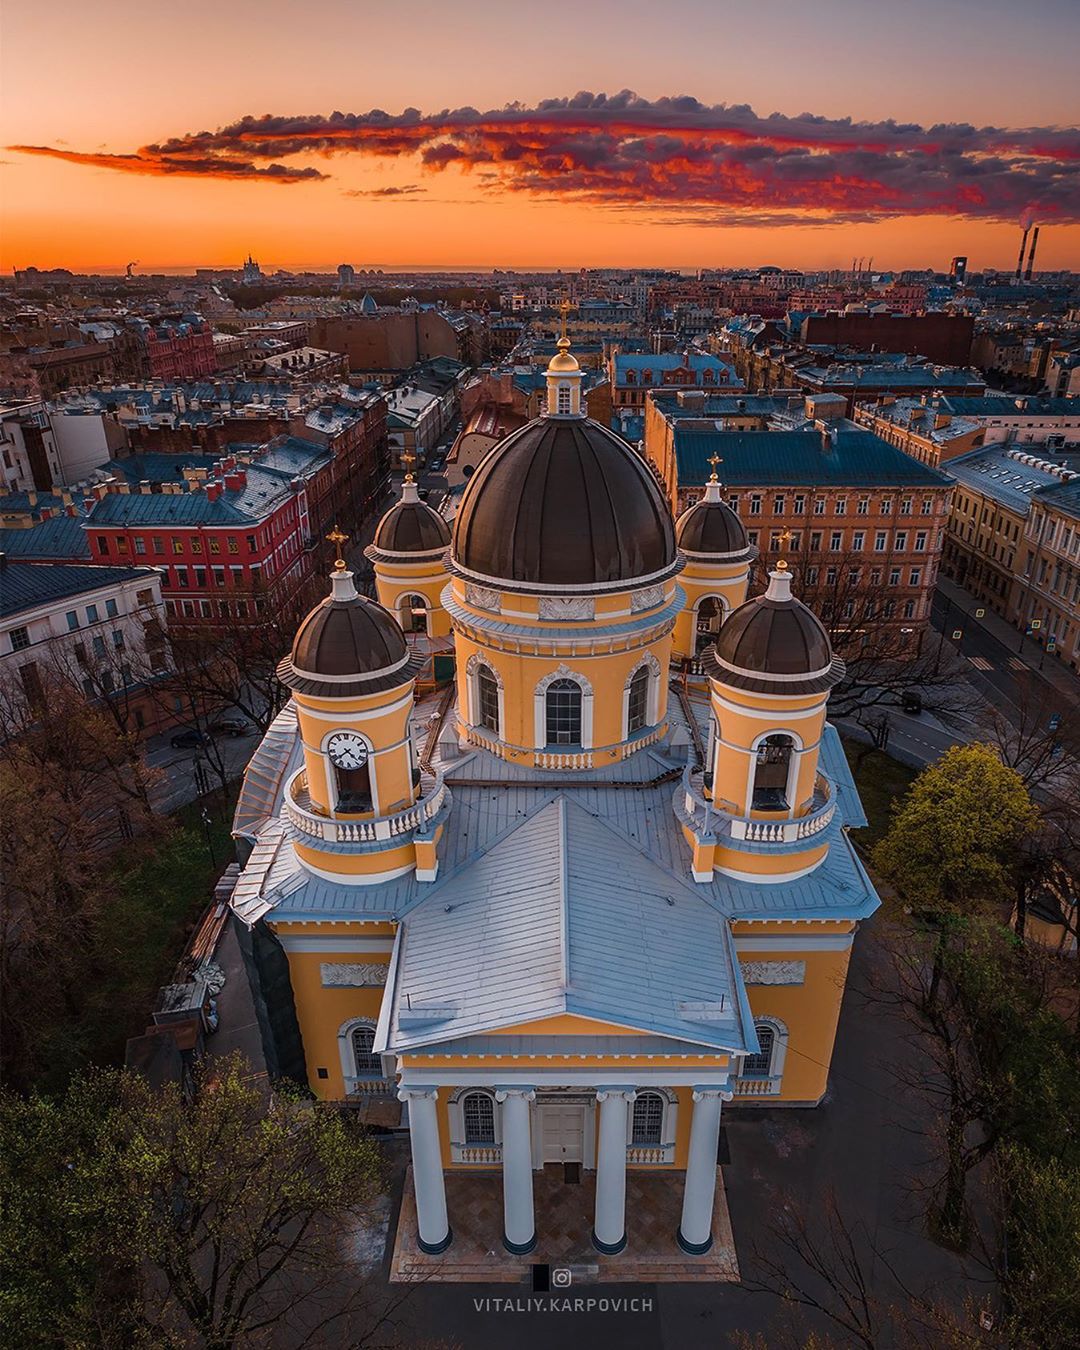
(1054, 671)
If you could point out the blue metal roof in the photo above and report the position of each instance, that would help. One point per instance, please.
(60, 537)
(26, 585)
(797, 459)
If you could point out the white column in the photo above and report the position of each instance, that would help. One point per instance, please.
(519, 1226)
(695, 1230)
(609, 1228)
(434, 1229)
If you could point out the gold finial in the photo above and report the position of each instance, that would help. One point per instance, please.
(338, 538)
(408, 458)
(714, 460)
(564, 309)
(784, 538)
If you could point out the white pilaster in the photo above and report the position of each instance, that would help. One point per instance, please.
(695, 1229)
(519, 1225)
(609, 1227)
(434, 1228)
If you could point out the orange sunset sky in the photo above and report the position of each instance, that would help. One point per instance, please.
(798, 132)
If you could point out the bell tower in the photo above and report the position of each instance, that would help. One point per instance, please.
(718, 557)
(564, 376)
(407, 554)
(760, 809)
(361, 809)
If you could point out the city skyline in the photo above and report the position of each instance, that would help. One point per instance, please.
(878, 142)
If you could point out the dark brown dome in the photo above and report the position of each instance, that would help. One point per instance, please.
(411, 527)
(564, 502)
(347, 646)
(768, 643)
(711, 527)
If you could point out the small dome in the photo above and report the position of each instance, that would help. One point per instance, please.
(711, 526)
(411, 526)
(563, 362)
(774, 644)
(564, 502)
(347, 646)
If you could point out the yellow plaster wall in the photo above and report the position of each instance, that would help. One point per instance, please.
(737, 733)
(393, 580)
(608, 674)
(699, 580)
(810, 1012)
(321, 1012)
(380, 862)
(391, 767)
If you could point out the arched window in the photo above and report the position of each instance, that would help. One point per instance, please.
(563, 712)
(637, 707)
(710, 615)
(760, 1065)
(487, 699)
(367, 1064)
(478, 1114)
(414, 614)
(631, 377)
(772, 773)
(353, 788)
(707, 377)
(648, 1121)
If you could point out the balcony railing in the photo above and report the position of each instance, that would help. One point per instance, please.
(652, 1154)
(757, 1087)
(706, 817)
(298, 808)
(475, 1153)
(370, 1087)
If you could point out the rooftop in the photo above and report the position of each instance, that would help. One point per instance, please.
(28, 585)
(802, 458)
(1010, 477)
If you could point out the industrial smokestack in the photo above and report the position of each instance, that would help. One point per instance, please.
(1031, 255)
(1020, 258)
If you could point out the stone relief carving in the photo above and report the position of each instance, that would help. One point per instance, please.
(567, 607)
(483, 597)
(773, 972)
(337, 974)
(647, 598)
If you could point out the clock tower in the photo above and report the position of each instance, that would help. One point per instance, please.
(362, 809)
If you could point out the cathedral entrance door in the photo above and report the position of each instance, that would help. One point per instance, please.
(562, 1132)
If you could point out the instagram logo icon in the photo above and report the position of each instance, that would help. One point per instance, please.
(562, 1278)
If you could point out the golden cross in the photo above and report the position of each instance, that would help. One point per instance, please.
(783, 539)
(408, 459)
(714, 460)
(564, 309)
(338, 539)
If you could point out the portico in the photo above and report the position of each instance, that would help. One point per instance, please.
(518, 1129)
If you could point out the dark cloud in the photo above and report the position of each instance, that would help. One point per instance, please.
(210, 166)
(725, 160)
(407, 190)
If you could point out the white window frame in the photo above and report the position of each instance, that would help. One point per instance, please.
(472, 688)
(331, 774)
(455, 1115)
(347, 1054)
(794, 765)
(669, 1123)
(779, 1049)
(652, 702)
(562, 672)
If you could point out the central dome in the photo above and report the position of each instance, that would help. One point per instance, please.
(564, 502)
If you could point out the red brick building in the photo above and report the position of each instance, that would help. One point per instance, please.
(178, 349)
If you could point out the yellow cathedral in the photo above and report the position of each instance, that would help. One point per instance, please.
(568, 907)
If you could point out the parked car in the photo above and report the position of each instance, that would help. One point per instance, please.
(911, 702)
(189, 739)
(437, 464)
(230, 724)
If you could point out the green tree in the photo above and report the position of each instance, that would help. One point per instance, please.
(135, 1217)
(953, 839)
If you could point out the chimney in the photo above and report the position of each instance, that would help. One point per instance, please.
(213, 491)
(1031, 255)
(1020, 259)
(236, 480)
(145, 488)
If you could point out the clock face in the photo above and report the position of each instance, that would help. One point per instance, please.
(347, 750)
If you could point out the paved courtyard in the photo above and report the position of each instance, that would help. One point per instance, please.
(564, 1214)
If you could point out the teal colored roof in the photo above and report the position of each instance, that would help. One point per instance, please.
(60, 537)
(797, 459)
(26, 585)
